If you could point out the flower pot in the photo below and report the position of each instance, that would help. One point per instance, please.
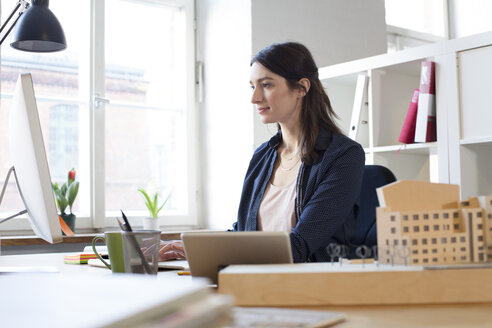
(150, 223)
(69, 220)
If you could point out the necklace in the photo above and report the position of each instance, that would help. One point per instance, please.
(289, 168)
(291, 158)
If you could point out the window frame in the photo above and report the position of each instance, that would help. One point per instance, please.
(92, 95)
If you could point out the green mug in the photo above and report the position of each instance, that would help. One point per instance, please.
(115, 250)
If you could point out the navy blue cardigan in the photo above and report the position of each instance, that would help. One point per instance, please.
(327, 194)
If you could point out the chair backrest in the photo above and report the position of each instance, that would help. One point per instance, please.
(375, 176)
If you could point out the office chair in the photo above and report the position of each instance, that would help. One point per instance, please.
(374, 176)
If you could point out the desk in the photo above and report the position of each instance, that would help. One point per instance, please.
(404, 316)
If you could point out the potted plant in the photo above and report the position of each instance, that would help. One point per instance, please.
(152, 202)
(65, 196)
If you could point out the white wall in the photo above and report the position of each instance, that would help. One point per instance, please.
(229, 33)
(224, 46)
(334, 31)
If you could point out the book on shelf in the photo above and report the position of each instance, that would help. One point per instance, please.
(407, 134)
(425, 126)
(359, 103)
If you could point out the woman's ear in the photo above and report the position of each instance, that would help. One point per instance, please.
(304, 85)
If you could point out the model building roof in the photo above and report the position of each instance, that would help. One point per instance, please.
(410, 195)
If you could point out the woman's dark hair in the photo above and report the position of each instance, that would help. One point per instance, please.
(293, 61)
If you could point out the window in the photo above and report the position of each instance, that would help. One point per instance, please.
(131, 98)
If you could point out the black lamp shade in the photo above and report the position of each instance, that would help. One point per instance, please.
(38, 30)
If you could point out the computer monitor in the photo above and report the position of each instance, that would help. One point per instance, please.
(30, 165)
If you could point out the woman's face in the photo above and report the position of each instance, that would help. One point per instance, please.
(274, 100)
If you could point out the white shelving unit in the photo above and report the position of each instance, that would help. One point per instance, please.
(462, 153)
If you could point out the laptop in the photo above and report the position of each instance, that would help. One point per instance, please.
(208, 252)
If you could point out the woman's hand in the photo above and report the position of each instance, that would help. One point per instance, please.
(171, 250)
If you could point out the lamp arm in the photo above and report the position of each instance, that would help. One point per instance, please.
(12, 169)
(20, 3)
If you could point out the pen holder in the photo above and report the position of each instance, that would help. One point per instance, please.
(141, 251)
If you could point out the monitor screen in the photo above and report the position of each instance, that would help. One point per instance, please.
(30, 163)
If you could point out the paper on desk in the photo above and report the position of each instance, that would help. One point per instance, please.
(276, 317)
(171, 265)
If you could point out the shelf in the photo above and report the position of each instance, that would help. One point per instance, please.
(417, 148)
(473, 141)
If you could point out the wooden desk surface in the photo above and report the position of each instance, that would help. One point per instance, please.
(403, 316)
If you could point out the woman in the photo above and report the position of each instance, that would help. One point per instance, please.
(306, 179)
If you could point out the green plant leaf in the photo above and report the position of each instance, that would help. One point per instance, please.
(63, 189)
(62, 203)
(72, 193)
(151, 204)
(164, 203)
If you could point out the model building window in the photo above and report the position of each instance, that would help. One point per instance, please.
(453, 240)
(463, 249)
(415, 242)
(415, 251)
(480, 257)
(462, 239)
(436, 227)
(445, 215)
(416, 229)
(426, 228)
(393, 218)
(444, 240)
(479, 214)
(457, 226)
(480, 238)
(456, 215)
(405, 229)
(415, 217)
(434, 240)
(426, 216)
(415, 261)
(436, 215)
(393, 230)
(395, 242)
(425, 251)
(490, 215)
(405, 217)
(434, 250)
(424, 241)
(434, 259)
(404, 242)
(463, 258)
(479, 226)
(426, 260)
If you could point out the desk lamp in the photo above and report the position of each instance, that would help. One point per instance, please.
(38, 29)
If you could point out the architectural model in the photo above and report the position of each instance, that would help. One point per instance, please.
(422, 223)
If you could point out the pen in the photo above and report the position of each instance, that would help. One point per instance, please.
(184, 273)
(126, 227)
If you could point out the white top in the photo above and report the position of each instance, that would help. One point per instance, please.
(276, 211)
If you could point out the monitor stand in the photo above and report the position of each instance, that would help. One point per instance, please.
(12, 169)
(20, 269)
